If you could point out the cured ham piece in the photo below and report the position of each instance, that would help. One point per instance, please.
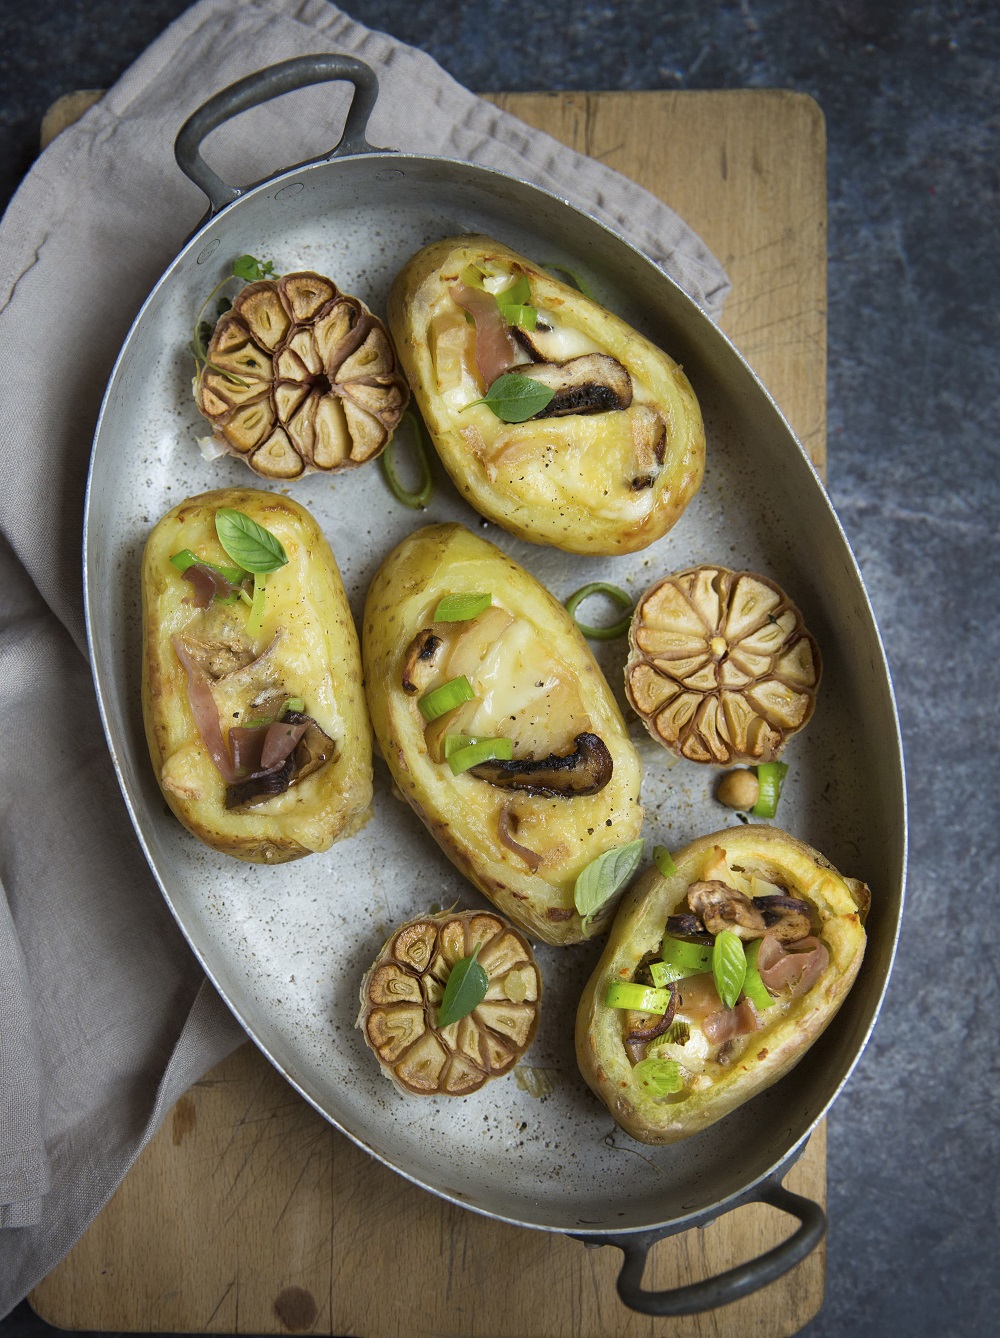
(207, 584)
(205, 712)
(792, 966)
(729, 1022)
(495, 347)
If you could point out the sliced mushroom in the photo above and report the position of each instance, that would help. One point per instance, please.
(787, 918)
(689, 928)
(217, 658)
(723, 907)
(261, 786)
(645, 1026)
(419, 666)
(593, 383)
(584, 771)
(313, 750)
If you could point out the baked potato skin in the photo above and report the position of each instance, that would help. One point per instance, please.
(462, 812)
(603, 516)
(776, 1048)
(317, 658)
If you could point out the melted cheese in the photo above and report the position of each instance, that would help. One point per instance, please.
(523, 692)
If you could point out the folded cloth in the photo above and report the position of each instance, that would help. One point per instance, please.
(105, 1016)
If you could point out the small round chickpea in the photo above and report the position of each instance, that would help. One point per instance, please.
(738, 789)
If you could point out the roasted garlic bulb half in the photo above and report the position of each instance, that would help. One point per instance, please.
(401, 1000)
(301, 377)
(721, 668)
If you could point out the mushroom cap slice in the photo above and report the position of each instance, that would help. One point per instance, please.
(401, 998)
(593, 383)
(301, 378)
(721, 667)
(586, 770)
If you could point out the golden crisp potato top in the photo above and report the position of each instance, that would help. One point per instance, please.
(307, 647)
(716, 1078)
(475, 821)
(608, 477)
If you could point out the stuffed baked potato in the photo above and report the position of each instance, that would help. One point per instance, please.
(497, 726)
(608, 463)
(253, 705)
(666, 1072)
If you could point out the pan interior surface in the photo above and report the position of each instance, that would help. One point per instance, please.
(287, 946)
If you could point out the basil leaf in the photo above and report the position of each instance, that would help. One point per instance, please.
(249, 545)
(729, 966)
(515, 398)
(604, 876)
(466, 988)
(252, 269)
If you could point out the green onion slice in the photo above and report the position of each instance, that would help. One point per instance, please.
(753, 987)
(660, 1077)
(441, 700)
(517, 294)
(577, 280)
(483, 750)
(185, 558)
(662, 974)
(524, 316)
(515, 304)
(680, 960)
(690, 958)
(472, 276)
(461, 608)
(770, 778)
(421, 495)
(454, 742)
(678, 1033)
(295, 704)
(729, 966)
(613, 592)
(257, 607)
(642, 998)
(663, 861)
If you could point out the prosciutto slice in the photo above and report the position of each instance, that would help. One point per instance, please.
(281, 739)
(207, 584)
(729, 1022)
(792, 966)
(205, 712)
(495, 347)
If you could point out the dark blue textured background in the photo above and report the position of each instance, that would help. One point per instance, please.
(911, 95)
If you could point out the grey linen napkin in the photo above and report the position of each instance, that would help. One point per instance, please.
(105, 1016)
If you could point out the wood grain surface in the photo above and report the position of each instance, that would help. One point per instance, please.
(247, 1213)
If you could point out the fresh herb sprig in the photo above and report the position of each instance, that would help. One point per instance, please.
(253, 548)
(515, 398)
(603, 877)
(465, 990)
(250, 545)
(248, 269)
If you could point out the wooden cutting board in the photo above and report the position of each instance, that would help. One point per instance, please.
(248, 1213)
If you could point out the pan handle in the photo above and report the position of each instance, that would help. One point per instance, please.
(725, 1287)
(260, 87)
